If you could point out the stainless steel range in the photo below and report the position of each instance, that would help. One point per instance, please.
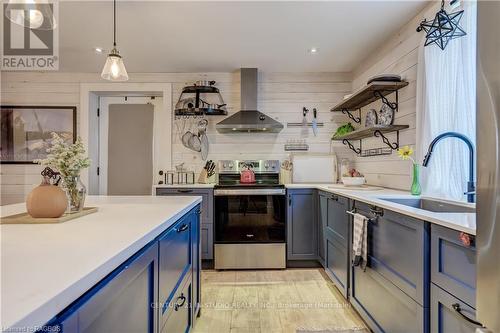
(250, 218)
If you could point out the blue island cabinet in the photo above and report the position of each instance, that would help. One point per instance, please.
(156, 290)
(123, 302)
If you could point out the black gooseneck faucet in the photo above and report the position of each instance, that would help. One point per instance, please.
(471, 187)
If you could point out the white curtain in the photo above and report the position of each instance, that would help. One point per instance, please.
(446, 101)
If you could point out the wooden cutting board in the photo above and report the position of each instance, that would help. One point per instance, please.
(25, 218)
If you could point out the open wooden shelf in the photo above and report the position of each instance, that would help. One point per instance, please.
(368, 132)
(368, 94)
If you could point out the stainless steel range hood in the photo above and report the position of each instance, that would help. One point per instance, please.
(249, 119)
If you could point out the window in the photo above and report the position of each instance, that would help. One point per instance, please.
(446, 101)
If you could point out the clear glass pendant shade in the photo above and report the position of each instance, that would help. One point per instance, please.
(31, 14)
(114, 68)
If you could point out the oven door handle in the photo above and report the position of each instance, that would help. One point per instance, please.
(256, 191)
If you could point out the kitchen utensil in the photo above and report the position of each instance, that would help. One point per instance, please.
(385, 115)
(202, 134)
(315, 122)
(353, 181)
(371, 118)
(314, 168)
(210, 168)
(385, 78)
(304, 129)
(247, 176)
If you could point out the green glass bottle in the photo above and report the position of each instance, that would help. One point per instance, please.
(416, 189)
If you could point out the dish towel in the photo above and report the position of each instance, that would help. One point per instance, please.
(360, 240)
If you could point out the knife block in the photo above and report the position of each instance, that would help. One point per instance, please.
(203, 177)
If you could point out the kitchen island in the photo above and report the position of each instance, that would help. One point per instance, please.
(60, 273)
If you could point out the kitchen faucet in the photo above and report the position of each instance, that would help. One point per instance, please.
(471, 187)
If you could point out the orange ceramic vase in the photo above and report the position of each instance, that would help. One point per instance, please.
(46, 201)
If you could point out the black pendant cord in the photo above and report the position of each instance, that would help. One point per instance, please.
(114, 23)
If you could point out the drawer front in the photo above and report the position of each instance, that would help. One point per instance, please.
(453, 265)
(206, 205)
(383, 306)
(338, 220)
(207, 241)
(130, 290)
(444, 318)
(337, 264)
(178, 318)
(398, 248)
(174, 258)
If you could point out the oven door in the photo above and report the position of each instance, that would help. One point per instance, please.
(250, 216)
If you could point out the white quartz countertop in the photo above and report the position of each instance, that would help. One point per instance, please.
(465, 222)
(195, 185)
(45, 267)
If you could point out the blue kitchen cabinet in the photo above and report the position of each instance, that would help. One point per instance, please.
(156, 290)
(449, 314)
(302, 234)
(207, 214)
(453, 287)
(397, 272)
(122, 302)
(334, 222)
(322, 220)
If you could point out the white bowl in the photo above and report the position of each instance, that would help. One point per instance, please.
(353, 181)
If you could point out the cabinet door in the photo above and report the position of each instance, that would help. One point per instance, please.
(174, 260)
(123, 302)
(398, 249)
(179, 318)
(338, 221)
(302, 229)
(337, 264)
(207, 241)
(444, 316)
(322, 219)
(453, 264)
(207, 206)
(196, 259)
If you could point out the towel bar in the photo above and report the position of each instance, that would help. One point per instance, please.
(370, 219)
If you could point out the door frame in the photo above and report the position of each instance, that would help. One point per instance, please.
(103, 121)
(88, 131)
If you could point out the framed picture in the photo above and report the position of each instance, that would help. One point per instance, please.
(26, 131)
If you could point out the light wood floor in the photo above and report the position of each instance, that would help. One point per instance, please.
(273, 301)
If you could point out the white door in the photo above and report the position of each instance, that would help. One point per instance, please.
(126, 144)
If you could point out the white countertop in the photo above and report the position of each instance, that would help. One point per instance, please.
(195, 185)
(45, 267)
(465, 222)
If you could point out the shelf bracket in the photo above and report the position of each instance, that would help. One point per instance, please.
(351, 146)
(392, 105)
(357, 120)
(394, 145)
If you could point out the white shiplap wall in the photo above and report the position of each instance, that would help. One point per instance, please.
(398, 55)
(281, 95)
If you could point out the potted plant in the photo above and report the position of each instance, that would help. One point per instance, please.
(69, 159)
(405, 153)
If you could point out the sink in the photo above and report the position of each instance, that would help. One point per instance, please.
(432, 205)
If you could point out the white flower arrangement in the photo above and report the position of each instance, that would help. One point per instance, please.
(69, 159)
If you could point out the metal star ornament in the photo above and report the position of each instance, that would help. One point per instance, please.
(443, 28)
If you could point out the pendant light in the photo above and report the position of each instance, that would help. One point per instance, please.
(443, 28)
(114, 68)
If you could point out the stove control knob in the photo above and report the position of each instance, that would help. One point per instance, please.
(224, 165)
(266, 166)
(231, 165)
